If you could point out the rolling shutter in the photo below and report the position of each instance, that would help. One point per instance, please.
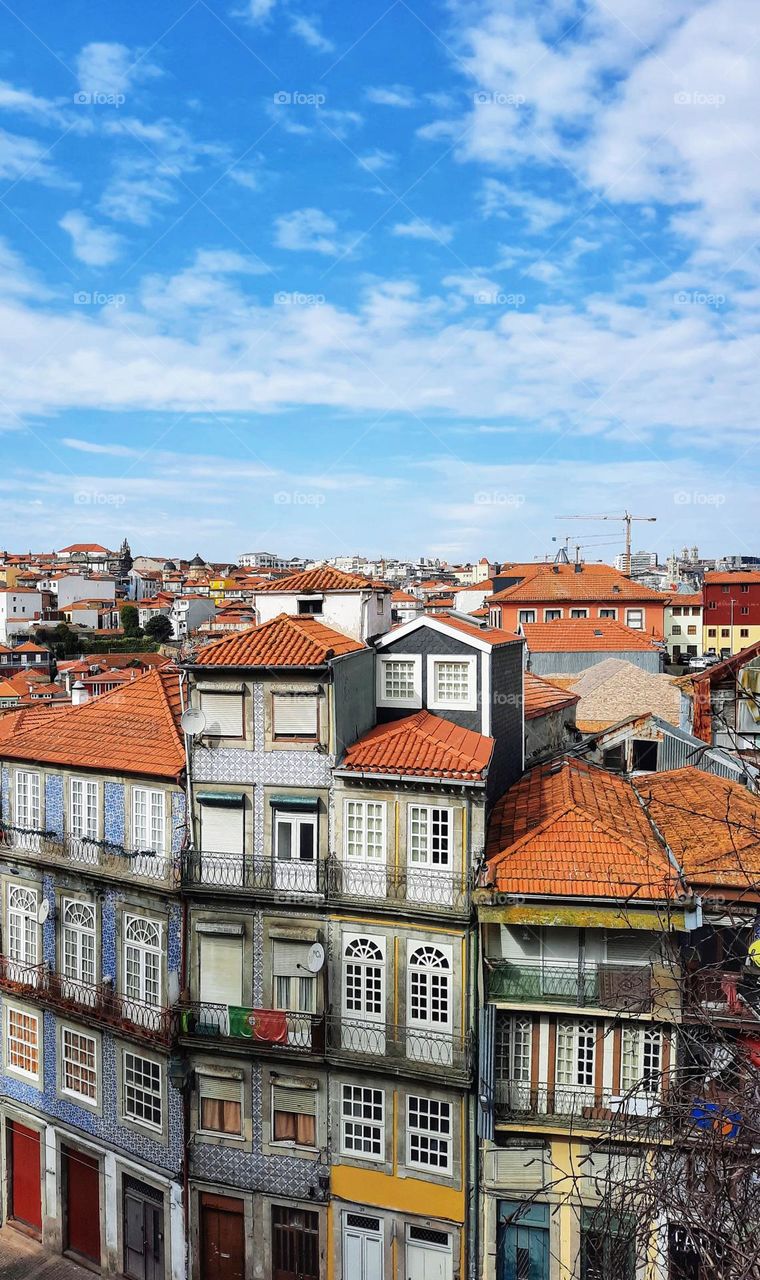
(222, 829)
(295, 715)
(299, 1101)
(221, 957)
(224, 714)
(289, 959)
(221, 1090)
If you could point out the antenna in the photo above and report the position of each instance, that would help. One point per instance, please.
(316, 958)
(193, 722)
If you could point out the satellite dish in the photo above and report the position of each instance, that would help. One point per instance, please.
(43, 912)
(193, 722)
(315, 958)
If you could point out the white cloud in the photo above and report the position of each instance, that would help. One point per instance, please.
(97, 246)
(26, 159)
(308, 30)
(392, 95)
(377, 159)
(501, 199)
(308, 230)
(258, 10)
(138, 190)
(106, 450)
(110, 68)
(419, 229)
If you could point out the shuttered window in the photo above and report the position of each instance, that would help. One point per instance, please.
(294, 1115)
(220, 1105)
(224, 714)
(221, 957)
(294, 986)
(295, 715)
(222, 828)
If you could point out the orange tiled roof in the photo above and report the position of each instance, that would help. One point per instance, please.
(491, 635)
(569, 829)
(399, 596)
(584, 635)
(719, 578)
(421, 745)
(596, 582)
(712, 825)
(690, 598)
(85, 546)
(285, 641)
(542, 697)
(325, 578)
(132, 729)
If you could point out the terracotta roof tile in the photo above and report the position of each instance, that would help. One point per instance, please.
(573, 830)
(421, 745)
(584, 635)
(591, 584)
(133, 729)
(491, 635)
(285, 641)
(542, 697)
(325, 578)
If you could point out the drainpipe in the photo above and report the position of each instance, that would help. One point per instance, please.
(473, 1211)
(186, 1117)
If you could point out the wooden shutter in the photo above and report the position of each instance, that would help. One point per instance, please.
(302, 1102)
(222, 828)
(287, 957)
(295, 715)
(224, 714)
(221, 957)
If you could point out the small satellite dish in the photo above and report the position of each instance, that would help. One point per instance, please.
(43, 912)
(315, 958)
(193, 722)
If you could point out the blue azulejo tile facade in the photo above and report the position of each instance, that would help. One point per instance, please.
(114, 812)
(106, 1126)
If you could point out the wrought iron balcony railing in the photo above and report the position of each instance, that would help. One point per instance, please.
(625, 988)
(108, 859)
(206, 869)
(416, 888)
(516, 1098)
(263, 1028)
(419, 1049)
(724, 993)
(97, 1002)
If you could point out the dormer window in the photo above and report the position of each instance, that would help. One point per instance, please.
(399, 680)
(311, 607)
(452, 683)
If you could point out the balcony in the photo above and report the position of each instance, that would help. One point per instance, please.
(97, 1002)
(516, 1099)
(202, 869)
(397, 888)
(716, 993)
(99, 857)
(624, 988)
(406, 1048)
(262, 1029)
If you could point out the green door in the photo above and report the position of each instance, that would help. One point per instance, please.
(522, 1251)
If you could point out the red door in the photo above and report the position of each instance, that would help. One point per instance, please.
(25, 1180)
(82, 1181)
(222, 1238)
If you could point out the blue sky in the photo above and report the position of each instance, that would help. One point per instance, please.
(401, 278)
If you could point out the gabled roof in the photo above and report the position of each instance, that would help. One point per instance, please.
(421, 745)
(133, 730)
(85, 546)
(404, 597)
(614, 689)
(584, 635)
(722, 578)
(284, 641)
(325, 578)
(712, 825)
(569, 829)
(596, 582)
(483, 637)
(541, 697)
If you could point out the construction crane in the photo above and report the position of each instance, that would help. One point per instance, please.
(627, 519)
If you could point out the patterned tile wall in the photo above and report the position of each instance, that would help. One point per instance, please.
(114, 812)
(54, 806)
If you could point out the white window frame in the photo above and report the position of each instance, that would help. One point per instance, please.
(470, 661)
(142, 956)
(23, 927)
(637, 1042)
(369, 1128)
(27, 797)
(634, 626)
(131, 1117)
(68, 1031)
(426, 1136)
(556, 614)
(428, 863)
(305, 696)
(415, 662)
(355, 955)
(608, 613)
(574, 1057)
(579, 612)
(522, 616)
(36, 1019)
(83, 939)
(154, 823)
(356, 814)
(83, 794)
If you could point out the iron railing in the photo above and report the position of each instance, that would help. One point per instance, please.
(205, 869)
(515, 1098)
(724, 993)
(418, 1048)
(102, 855)
(416, 888)
(97, 1001)
(626, 988)
(200, 1019)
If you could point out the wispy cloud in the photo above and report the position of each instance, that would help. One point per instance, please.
(94, 245)
(392, 95)
(309, 30)
(419, 229)
(308, 230)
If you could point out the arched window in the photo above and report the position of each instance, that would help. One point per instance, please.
(429, 988)
(78, 941)
(142, 960)
(364, 978)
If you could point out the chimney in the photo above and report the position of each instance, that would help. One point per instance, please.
(78, 694)
(578, 567)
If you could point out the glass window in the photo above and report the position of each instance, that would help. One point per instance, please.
(576, 1043)
(363, 1121)
(641, 1059)
(365, 830)
(294, 1115)
(22, 1041)
(83, 808)
(142, 960)
(22, 924)
(148, 821)
(142, 1090)
(634, 618)
(430, 836)
(27, 800)
(220, 1105)
(78, 940)
(79, 1064)
(526, 615)
(398, 679)
(428, 1131)
(451, 681)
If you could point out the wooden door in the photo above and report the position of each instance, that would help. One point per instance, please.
(222, 1238)
(295, 1244)
(82, 1182)
(143, 1235)
(25, 1182)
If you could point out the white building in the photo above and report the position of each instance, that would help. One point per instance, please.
(188, 613)
(19, 606)
(352, 605)
(68, 588)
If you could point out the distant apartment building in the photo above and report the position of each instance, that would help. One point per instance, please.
(684, 626)
(731, 617)
(545, 593)
(641, 562)
(19, 608)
